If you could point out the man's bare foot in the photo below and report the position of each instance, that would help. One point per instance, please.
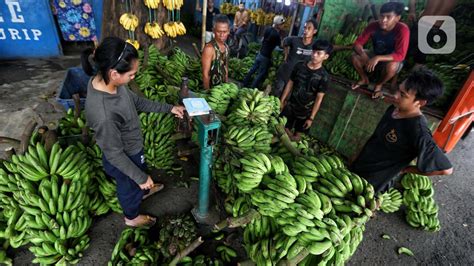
(378, 93)
(360, 84)
(141, 220)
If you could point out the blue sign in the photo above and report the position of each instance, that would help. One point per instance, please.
(27, 29)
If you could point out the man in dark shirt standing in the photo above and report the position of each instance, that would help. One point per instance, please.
(390, 40)
(211, 12)
(296, 49)
(263, 61)
(403, 135)
(305, 91)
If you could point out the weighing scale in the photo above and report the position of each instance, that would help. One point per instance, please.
(208, 135)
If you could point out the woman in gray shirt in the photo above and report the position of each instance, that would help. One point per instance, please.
(111, 111)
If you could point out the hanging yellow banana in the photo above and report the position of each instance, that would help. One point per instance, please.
(153, 4)
(153, 30)
(134, 43)
(129, 21)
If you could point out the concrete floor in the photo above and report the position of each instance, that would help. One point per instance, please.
(28, 90)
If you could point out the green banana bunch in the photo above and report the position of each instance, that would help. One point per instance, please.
(259, 228)
(4, 259)
(239, 206)
(98, 203)
(147, 75)
(238, 68)
(262, 252)
(242, 139)
(309, 168)
(418, 197)
(69, 125)
(277, 189)
(223, 172)
(254, 167)
(253, 108)
(134, 248)
(157, 129)
(200, 260)
(221, 96)
(175, 235)
(391, 201)
(108, 189)
(227, 254)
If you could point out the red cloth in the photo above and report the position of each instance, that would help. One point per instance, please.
(402, 38)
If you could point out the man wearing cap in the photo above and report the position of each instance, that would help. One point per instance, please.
(263, 61)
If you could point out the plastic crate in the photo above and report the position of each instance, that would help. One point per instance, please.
(75, 81)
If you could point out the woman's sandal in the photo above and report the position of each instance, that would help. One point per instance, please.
(157, 187)
(147, 221)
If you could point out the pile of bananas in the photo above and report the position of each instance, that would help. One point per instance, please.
(174, 28)
(152, 4)
(176, 234)
(173, 4)
(134, 248)
(226, 253)
(253, 108)
(391, 201)
(157, 129)
(422, 210)
(129, 21)
(228, 8)
(69, 125)
(48, 203)
(220, 97)
(153, 29)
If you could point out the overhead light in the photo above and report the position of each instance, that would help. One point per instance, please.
(287, 2)
(279, 1)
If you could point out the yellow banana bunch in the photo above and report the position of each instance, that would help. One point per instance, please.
(129, 21)
(134, 43)
(153, 4)
(174, 29)
(181, 28)
(154, 30)
(173, 4)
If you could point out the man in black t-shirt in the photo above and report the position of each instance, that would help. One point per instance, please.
(263, 61)
(305, 90)
(296, 49)
(403, 135)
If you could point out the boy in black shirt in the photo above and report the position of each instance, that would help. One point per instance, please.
(403, 135)
(309, 82)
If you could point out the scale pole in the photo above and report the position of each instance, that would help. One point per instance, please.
(204, 181)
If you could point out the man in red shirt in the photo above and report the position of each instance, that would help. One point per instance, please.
(390, 39)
